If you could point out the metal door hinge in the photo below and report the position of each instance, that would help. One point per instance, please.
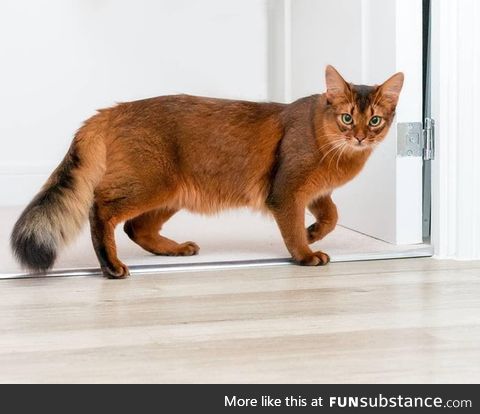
(415, 141)
(429, 139)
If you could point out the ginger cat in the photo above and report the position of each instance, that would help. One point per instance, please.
(141, 162)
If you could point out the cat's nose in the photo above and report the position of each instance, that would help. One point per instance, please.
(360, 138)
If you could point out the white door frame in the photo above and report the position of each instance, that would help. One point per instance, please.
(455, 72)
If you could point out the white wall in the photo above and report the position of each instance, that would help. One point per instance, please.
(62, 59)
(324, 32)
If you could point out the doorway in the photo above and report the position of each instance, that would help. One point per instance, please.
(282, 58)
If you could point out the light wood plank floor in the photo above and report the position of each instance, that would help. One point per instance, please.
(411, 320)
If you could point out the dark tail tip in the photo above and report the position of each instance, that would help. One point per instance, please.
(30, 250)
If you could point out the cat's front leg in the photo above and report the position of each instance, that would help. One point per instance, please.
(290, 217)
(325, 212)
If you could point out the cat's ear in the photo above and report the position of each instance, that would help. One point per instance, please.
(336, 85)
(391, 88)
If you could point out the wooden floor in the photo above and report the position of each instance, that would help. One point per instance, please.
(411, 320)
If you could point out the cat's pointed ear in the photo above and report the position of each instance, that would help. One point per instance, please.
(391, 88)
(336, 85)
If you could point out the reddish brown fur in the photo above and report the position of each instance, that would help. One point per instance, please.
(201, 154)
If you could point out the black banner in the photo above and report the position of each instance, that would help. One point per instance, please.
(248, 398)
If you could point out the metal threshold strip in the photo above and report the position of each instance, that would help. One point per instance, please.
(421, 250)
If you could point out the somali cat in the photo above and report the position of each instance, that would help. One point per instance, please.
(141, 162)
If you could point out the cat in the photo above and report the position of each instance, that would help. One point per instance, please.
(140, 162)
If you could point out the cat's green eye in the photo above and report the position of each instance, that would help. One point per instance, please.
(375, 121)
(347, 119)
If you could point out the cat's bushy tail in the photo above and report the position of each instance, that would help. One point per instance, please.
(58, 211)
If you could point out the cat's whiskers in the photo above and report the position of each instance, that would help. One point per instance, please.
(328, 148)
(329, 151)
(338, 144)
(327, 144)
(338, 150)
(329, 135)
(330, 143)
(340, 156)
(332, 140)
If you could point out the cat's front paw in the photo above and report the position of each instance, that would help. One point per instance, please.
(317, 231)
(314, 259)
(313, 233)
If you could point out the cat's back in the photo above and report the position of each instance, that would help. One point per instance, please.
(211, 128)
(189, 107)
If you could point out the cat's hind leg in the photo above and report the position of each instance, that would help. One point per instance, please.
(102, 226)
(145, 231)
